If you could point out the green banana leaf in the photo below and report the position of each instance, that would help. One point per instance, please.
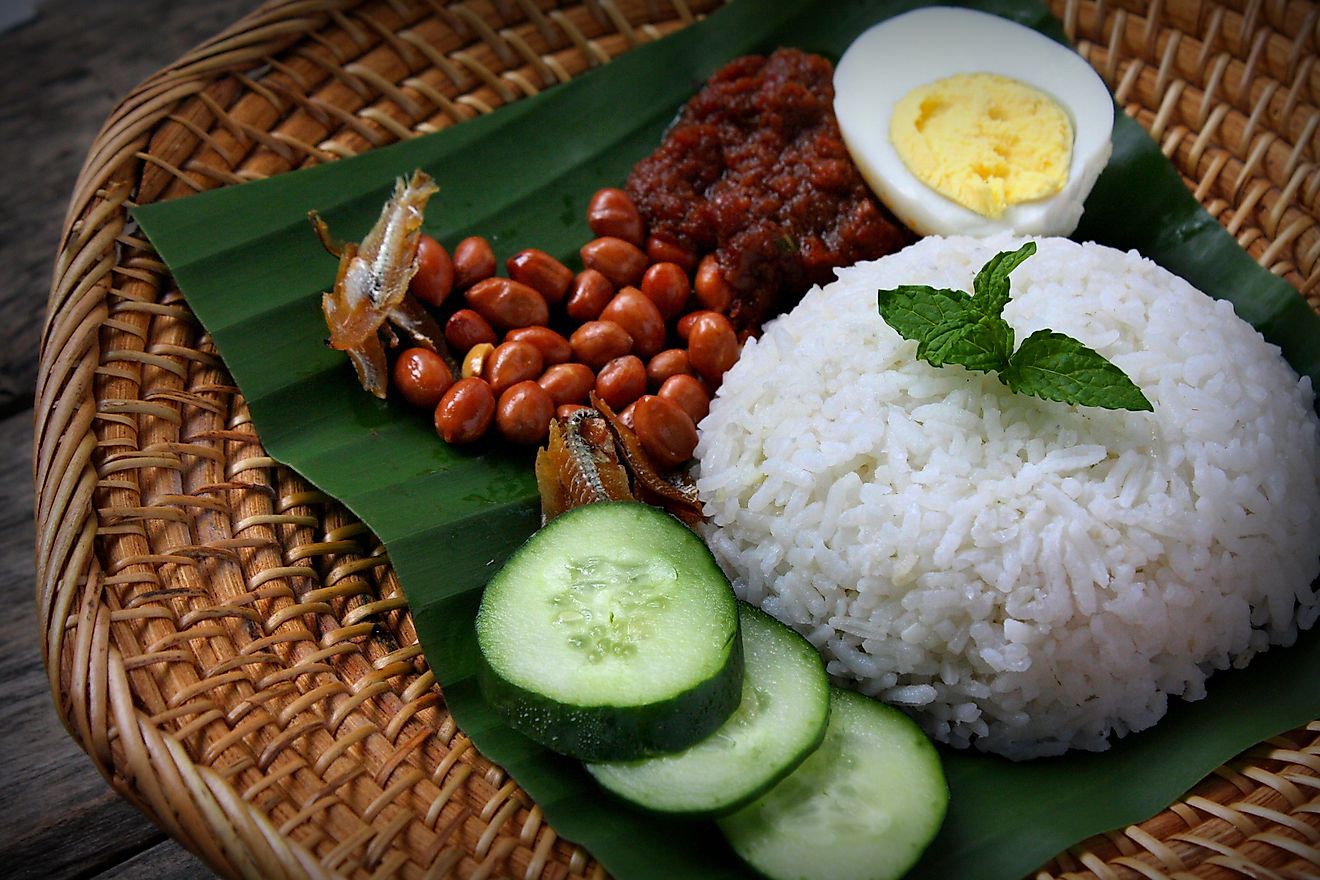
(251, 269)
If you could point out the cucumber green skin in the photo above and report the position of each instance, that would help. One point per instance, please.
(604, 732)
(737, 798)
(619, 733)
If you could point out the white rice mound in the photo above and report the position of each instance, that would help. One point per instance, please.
(1024, 576)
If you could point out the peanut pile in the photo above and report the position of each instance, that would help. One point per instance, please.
(646, 324)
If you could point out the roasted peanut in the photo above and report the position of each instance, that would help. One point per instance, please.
(590, 293)
(511, 363)
(666, 432)
(553, 347)
(473, 261)
(670, 362)
(662, 250)
(541, 272)
(712, 347)
(568, 383)
(684, 325)
(621, 381)
(465, 328)
(597, 342)
(422, 377)
(524, 412)
(632, 311)
(474, 362)
(712, 290)
(465, 411)
(435, 272)
(688, 394)
(612, 212)
(626, 415)
(506, 303)
(666, 285)
(622, 263)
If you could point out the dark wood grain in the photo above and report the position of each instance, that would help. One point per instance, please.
(61, 73)
(165, 861)
(61, 819)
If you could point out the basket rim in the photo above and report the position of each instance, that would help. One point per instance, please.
(75, 621)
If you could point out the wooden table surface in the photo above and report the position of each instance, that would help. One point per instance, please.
(61, 72)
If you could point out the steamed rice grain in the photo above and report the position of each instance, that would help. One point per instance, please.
(1024, 576)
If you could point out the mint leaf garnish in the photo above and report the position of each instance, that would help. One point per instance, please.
(991, 283)
(981, 343)
(947, 327)
(951, 327)
(1058, 367)
(919, 312)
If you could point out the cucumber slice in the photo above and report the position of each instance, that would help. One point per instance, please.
(861, 807)
(611, 634)
(780, 720)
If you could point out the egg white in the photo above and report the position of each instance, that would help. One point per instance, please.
(894, 57)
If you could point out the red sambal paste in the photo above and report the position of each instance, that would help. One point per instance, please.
(756, 171)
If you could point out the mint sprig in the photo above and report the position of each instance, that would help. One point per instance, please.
(951, 327)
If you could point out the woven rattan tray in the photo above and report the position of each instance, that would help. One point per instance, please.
(232, 649)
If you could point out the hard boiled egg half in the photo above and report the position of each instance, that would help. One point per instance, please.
(965, 123)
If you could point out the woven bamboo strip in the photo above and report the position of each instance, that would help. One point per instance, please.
(232, 648)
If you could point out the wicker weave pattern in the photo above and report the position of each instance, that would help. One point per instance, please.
(232, 648)
(1231, 96)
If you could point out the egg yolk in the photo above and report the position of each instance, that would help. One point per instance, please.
(983, 140)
